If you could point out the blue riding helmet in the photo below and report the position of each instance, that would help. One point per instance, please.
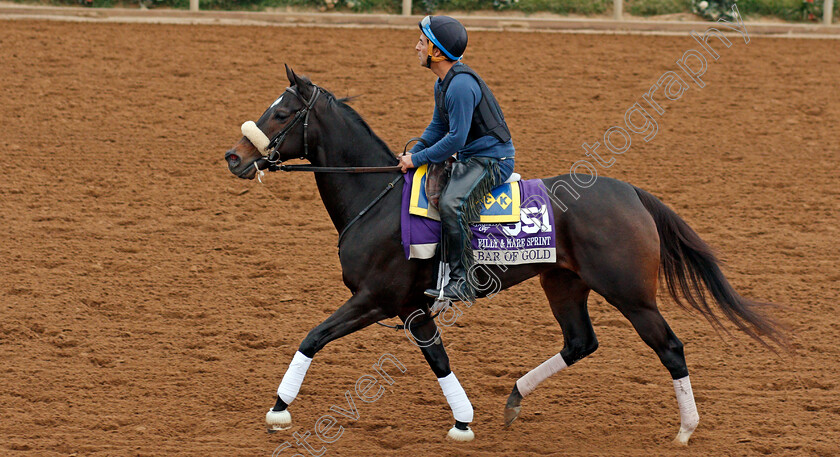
(447, 34)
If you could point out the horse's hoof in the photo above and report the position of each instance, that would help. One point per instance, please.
(457, 434)
(682, 437)
(512, 406)
(278, 420)
(511, 414)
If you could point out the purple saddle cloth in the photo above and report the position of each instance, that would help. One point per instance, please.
(531, 240)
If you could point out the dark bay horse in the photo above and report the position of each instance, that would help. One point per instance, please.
(614, 239)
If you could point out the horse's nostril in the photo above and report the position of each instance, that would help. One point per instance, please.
(232, 158)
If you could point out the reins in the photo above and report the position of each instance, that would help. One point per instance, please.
(273, 156)
(314, 169)
(275, 164)
(381, 195)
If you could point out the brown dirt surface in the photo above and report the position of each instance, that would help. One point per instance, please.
(151, 301)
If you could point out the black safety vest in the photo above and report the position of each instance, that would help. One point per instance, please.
(487, 117)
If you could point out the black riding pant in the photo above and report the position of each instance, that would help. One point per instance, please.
(459, 205)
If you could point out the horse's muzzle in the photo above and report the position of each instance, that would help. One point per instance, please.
(233, 159)
(243, 169)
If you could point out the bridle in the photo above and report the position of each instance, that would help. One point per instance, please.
(273, 156)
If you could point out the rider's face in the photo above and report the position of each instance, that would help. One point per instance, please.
(422, 49)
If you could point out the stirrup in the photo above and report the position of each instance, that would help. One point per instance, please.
(454, 295)
(440, 304)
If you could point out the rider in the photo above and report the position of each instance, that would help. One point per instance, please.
(467, 121)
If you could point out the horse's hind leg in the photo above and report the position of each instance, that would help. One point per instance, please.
(567, 296)
(632, 290)
(656, 333)
(427, 337)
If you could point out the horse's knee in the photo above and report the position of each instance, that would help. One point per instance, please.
(440, 368)
(311, 344)
(438, 362)
(578, 348)
(435, 354)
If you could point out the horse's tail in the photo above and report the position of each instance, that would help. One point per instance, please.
(689, 266)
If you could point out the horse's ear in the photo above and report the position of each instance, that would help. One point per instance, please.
(291, 75)
(303, 85)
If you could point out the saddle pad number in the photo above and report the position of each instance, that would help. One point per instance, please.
(532, 220)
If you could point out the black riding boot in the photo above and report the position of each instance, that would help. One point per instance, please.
(458, 288)
(469, 182)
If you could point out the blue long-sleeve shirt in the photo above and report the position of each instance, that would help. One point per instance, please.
(461, 99)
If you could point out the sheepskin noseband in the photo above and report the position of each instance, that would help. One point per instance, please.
(255, 136)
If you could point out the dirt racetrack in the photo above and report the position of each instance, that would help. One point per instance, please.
(151, 301)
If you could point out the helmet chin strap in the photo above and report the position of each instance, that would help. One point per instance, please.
(431, 57)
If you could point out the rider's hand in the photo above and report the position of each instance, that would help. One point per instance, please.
(405, 162)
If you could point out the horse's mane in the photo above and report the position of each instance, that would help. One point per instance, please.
(353, 117)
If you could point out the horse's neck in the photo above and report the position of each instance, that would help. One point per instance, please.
(346, 194)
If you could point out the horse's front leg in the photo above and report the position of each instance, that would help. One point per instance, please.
(426, 335)
(356, 314)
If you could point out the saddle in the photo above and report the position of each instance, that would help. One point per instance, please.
(437, 176)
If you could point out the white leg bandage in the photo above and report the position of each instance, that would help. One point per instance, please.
(461, 407)
(688, 409)
(533, 378)
(290, 385)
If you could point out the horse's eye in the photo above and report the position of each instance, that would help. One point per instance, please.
(281, 114)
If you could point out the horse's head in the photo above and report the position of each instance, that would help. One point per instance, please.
(280, 134)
